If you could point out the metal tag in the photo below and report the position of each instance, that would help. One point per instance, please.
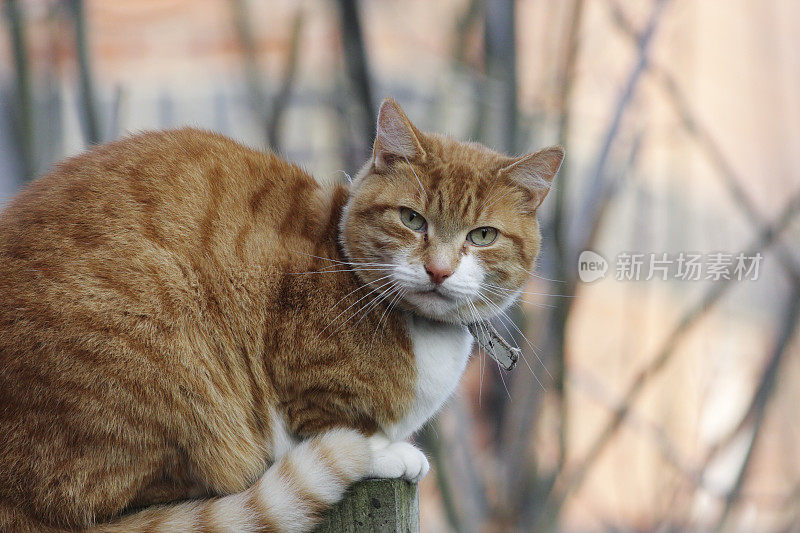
(495, 345)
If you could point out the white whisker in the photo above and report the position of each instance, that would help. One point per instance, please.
(386, 294)
(385, 311)
(499, 198)
(481, 357)
(348, 307)
(540, 277)
(368, 307)
(355, 290)
(502, 314)
(503, 381)
(340, 270)
(498, 287)
(415, 175)
(499, 294)
(337, 260)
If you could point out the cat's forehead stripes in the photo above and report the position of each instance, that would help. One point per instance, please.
(460, 194)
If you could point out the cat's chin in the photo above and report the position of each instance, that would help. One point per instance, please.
(433, 306)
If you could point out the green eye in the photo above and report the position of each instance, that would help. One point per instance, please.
(482, 236)
(412, 219)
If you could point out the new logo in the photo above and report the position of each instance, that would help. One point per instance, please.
(591, 266)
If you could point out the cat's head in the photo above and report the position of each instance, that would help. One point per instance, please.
(443, 228)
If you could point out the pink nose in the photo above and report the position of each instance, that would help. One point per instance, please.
(437, 273)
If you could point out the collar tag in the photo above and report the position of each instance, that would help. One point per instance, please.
(495, 345)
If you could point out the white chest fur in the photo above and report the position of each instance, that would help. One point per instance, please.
(441, 352)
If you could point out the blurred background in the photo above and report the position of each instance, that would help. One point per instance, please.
(656, 403)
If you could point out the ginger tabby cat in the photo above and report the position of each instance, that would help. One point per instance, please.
(196, 336)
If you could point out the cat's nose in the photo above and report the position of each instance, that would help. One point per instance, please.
(438, 273)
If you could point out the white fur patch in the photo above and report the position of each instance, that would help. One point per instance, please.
(179, 518)
(313, 475)
(351, 451)
(441, 352)
(281, 441)
(466, 280)
(232, 514)
(286, 509)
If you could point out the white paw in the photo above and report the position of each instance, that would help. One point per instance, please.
(399, 460)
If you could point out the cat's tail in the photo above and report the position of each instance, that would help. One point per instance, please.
(289, 497)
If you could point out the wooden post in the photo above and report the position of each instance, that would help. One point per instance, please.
(377, 505)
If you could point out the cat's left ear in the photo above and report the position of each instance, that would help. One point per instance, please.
(396, 137)
(535, 172)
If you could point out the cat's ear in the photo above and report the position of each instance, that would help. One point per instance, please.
(535, 172)
(396, 137)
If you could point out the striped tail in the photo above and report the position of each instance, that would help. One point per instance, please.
(290, 496)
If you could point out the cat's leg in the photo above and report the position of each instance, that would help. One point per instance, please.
(398, 459)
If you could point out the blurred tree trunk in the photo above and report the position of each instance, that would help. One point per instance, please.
(501, 68)
(23, 114)
(357, 66)
(256, 91)
(463, 28)
(558, 333)
(281, 100)
(89, 116)
(428, 438)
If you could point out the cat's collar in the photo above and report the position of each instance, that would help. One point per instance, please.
(495, 345)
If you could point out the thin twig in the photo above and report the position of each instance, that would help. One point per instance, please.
(761, 399)
(118, 104)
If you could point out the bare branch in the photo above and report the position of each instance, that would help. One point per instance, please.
(518, 422)
(588, 213)
(464, 25)
(564, 109)
(475, 493)
(560, 243)
(433, 441)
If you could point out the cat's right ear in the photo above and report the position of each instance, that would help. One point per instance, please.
(396, 138)
(535, 172)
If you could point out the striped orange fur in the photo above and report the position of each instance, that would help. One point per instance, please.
(178, 324)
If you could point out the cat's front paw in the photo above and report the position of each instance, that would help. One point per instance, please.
(399, 460)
